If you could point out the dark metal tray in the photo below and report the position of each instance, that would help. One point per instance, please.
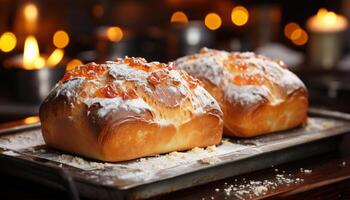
(23, 153)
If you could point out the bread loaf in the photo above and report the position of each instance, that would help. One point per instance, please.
(257, 94)
(129, 108)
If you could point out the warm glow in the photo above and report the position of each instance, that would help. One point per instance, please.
(114, 34)
(179, 17)
(73, 64)
(327, 21)
(97, 10)
(239, 15)
(290, 28)
(328, 18)
(212, 21)
(8, 42)
(30, 12)
(31, 54)
(60, 39)
(55, 58)
(39, 63)
(31, 120)
(299, 37)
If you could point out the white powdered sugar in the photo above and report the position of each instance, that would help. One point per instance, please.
(118, 105)
(245, 95)
(125, 72)
(207, 67)
(204, 100)
(133, 88)
(210, 65)
(291, 82)
(68, 88)
(22, 141)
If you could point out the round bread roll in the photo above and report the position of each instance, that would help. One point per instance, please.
(257, 95)
(128, 108)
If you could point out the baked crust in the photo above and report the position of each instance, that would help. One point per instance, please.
(128, 108)
(257, 95)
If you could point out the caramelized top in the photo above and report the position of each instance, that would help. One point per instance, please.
(89, 71)
(134, 88)
(244, 78)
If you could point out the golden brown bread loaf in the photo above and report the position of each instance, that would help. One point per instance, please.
(257, 95)
(128, 108)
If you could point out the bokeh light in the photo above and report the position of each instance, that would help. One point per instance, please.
(239, 15)
(179, 17)
(212, 21)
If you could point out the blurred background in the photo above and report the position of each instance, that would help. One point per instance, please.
(39, 39)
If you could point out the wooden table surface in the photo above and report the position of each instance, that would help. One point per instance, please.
(325, 176)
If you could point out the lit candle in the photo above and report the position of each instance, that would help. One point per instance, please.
(325, 47)
(33, 60)
(327, 21)
(35, 74)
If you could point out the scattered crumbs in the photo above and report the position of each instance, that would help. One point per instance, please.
(109, 182)
(79, 162)
(22, 141)
(42, 150)
(142, 159)
(175, 155)
(254, 188)
(307, 171)
(276, 170)
(197, 150)
(327, 124)
(226, 141)
(343, 164)
(211, 160)
(31, 149)
(260, 190)
(211, 148)
(212, 197)
(217, 190)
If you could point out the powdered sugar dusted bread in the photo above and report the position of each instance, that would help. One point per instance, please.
(257, 95)
(128, 108)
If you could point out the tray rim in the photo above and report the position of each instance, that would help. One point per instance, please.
(80, 180)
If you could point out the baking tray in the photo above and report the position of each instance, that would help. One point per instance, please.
(23, 153)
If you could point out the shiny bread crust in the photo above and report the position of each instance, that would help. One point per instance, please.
(127, 109)
(256, 94)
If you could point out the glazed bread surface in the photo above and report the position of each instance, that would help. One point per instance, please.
(258, 95)
(129, 108)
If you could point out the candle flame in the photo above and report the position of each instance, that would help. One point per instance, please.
(31, 55)
(327, 21)
(30, 12)
(326, 17)
(55, 58)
